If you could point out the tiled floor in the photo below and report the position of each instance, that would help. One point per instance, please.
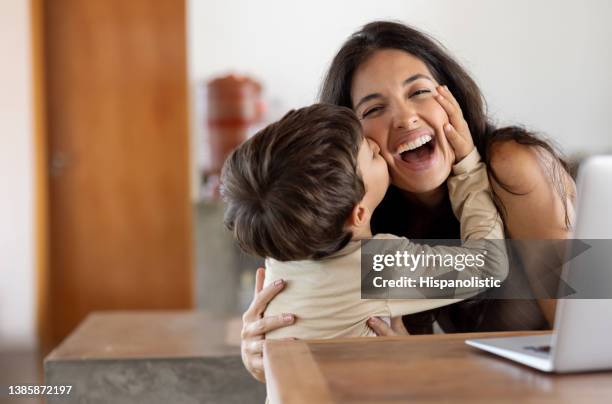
(20, 367)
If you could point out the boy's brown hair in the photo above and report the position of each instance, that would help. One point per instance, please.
(290, 189)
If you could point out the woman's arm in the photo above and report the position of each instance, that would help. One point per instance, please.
(255, 326)
(534, 210)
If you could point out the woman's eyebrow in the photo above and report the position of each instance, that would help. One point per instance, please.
(415, 77)
(367, 98)
(409, 80)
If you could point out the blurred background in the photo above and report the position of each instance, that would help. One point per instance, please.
(116, 115)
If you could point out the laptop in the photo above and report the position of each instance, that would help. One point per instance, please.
(582, 335)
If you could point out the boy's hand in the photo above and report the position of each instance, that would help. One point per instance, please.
(457, 131)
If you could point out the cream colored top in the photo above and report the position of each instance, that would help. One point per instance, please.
(325, 295)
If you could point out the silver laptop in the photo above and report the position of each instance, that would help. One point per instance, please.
(582, 336)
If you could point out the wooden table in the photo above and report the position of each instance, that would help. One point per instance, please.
(428, 368)
(153, 357)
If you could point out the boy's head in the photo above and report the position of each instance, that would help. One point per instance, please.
(301, 187)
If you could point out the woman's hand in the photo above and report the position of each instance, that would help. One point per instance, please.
(383, 330)
(255, 326)
(457, 131)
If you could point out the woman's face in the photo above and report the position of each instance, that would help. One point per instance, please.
(393, 96)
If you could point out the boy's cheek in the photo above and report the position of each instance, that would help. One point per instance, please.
(388, 159)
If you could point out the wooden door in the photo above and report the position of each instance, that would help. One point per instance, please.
(119, 235)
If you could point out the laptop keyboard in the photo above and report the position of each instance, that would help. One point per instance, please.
(545, 349)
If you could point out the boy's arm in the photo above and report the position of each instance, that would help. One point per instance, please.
(481, 231)
(470, 196)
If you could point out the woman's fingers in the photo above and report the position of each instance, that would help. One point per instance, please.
(260, 277)
(261, 300)
(380, 327)
(254, 327)
(254, 347)
(252, 312)
(398, 326)
(264, 325)
(256, 368)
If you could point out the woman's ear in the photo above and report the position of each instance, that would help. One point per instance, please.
(359, 216)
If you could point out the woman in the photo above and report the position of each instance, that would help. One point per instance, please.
(400, 83)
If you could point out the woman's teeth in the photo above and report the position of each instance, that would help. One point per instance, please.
(415, 144)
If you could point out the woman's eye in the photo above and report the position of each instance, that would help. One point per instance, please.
(370, 111)
(420, 91)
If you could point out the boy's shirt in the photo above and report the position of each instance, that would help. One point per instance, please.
(325, 295)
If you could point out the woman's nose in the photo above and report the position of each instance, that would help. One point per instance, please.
(405, 118)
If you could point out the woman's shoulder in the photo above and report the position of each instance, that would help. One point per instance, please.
(523, 168)
(535, 191)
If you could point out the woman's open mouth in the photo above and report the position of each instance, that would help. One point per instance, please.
(419, 153)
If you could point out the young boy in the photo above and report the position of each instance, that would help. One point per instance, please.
(301, 193)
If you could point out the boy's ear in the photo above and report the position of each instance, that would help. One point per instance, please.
(359, 216)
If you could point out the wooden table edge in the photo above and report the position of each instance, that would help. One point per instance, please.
(311, 380)
(430, 337)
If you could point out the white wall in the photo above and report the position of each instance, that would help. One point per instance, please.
(545, 64)
(16, 177)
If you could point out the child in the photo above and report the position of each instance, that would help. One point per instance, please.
(301, 193)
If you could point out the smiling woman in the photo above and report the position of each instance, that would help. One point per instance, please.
(418, 154)
(391, 75)
(410, 96)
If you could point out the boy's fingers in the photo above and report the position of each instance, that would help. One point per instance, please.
(460, 144)
(445, 102)
(452, 135)
(447, 94)
(450, 130)
(456, 111)
(453, 113)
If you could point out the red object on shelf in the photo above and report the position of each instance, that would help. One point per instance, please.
(234, 104)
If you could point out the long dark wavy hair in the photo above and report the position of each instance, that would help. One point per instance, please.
(378, 35)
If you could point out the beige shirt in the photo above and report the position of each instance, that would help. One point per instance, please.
(325, 295)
